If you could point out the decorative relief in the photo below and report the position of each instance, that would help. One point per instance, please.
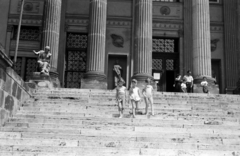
(214, 44)
(28, 33)
(109, 22)
(77, 41)
(117, 40)
(157, 64)
(168, 26)
(13, 21)
(169, 64)
(29, 6)
(163, 45)
(165, 10)
(216, 28)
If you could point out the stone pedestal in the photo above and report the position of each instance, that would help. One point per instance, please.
(51, 30)
(44, 81)
(201, 43)
(143, 40)
(95, 77)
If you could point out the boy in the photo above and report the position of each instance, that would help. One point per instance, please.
(204, 84)
(184, 86)
(120, 97)
(148, 96)
(134, 95)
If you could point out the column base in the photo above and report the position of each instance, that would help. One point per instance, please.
(94, 80)
(45, 81)
(212, 87)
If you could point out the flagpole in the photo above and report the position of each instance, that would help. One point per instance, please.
(18, 33)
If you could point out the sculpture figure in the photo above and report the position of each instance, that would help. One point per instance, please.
(117, 69)
(44, 60)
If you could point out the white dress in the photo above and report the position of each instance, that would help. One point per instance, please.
(134, 94)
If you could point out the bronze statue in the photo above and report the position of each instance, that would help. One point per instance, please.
(44, 60)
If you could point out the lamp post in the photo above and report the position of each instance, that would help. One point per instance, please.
(18, 33)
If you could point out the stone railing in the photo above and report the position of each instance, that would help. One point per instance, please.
(13, 90)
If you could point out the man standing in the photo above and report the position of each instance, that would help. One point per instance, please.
(44, 60)
(189, 81)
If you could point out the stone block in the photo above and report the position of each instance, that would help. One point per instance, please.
(93, 84)
(19, 93)
(14, 75)
(2, 84)
(2, 74)
(1, 98)
(8, 85)
(14, 89)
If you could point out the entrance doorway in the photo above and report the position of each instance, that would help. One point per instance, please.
(216, 72)
(165, 62)
(120, 60)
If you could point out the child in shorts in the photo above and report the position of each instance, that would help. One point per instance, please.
(134, 95)
(120, 97)
(148, 96)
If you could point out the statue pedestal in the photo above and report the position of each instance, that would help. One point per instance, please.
(44, 81)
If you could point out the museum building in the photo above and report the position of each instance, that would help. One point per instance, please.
(147, 38)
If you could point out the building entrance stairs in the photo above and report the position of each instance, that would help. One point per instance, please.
(78, 122)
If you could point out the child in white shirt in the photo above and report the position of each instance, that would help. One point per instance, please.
(134, 95)
(120, 97)
(148, 96)
(204, 85)
(184, 86)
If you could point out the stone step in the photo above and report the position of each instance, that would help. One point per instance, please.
(113, 110)
(117, 144)
(131, 129)
(124, 121)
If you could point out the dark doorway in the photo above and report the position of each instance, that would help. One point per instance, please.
(170, 75)
(216, 72)
(120, 60)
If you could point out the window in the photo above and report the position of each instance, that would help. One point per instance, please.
(76, 59)
(28, 33)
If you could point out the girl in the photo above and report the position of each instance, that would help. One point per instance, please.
(134, 94)
(120, 97)
(148, 96)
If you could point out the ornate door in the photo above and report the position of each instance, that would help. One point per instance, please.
(165, 61)
(76, 59)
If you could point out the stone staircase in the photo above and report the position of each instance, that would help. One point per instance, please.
(72, 122)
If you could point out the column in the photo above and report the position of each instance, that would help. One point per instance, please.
(231, 43)
(201, 39)
(95, 77)
(143, 40)
(201, 45)
(51, 30)
(187, 55)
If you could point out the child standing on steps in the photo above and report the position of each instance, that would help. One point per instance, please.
(120, 97)
(148, 96)
(134, 95)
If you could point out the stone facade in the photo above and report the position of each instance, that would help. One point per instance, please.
(172, 22)
(13, 90)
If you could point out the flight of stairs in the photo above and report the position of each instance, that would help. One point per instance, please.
(72, 122)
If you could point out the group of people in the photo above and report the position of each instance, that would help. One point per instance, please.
(134, 97)
(185, 84)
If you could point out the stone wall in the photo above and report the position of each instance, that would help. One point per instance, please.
(13, 91)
